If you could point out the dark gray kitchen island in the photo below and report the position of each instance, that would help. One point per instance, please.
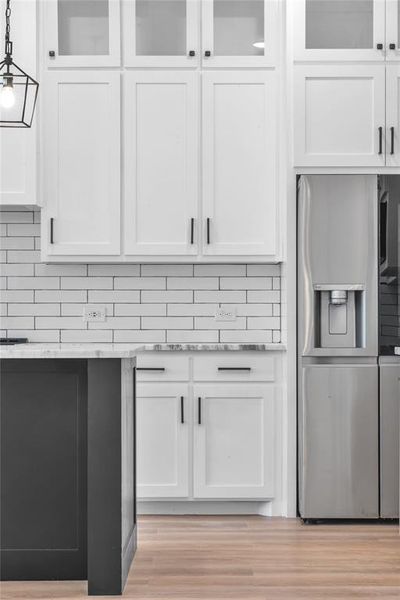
(68, 498)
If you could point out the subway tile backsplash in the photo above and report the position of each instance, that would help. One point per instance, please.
(148, 303)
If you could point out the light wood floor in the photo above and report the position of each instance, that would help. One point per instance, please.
(249, 558)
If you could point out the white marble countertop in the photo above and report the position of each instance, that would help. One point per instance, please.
(397, 350)
(36, 350)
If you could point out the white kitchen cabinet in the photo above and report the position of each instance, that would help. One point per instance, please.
(234, 441)
(239, 33)
(18, 146)
(162, 446)
(161, 33)
(239, 163)
(339, 116)
(81, 33)
(340, 30)
(161, 135)
(81, 163)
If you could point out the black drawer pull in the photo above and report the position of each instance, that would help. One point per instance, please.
(150, 369)
(207, 53)
(234, 369)
(392, 46)
(182, 410)
(392, 140)
(192, 53)
(51, 230)
(379, 46)
(380, 129)
(199, 411)
(208, 231)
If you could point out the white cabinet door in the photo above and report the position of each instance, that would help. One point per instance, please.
(234, 441)
(339, 29)
(81, 33)
(81, 170)
(18, 147)
(163, 421)
(161, 163)
(161, 33)
(393, 115)
(339, 116)
(239, 33)
(239, 168)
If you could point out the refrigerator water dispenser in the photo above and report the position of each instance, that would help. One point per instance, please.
(339, 316)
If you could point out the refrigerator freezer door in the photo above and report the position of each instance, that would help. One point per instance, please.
(338, 450)
(389, 436)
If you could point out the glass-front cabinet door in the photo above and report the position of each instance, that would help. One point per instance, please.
(239, 33)
(82, 33)
(161, 33)
(393, 30)
(339, 29)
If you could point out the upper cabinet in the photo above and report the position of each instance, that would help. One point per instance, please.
(345, 29)
(81, 163)
(239, 33)
(161, 33)
(239, 167)
(82, 33)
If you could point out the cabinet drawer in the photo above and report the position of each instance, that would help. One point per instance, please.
(234, 366)
(162, 366)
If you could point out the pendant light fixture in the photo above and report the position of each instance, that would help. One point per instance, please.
(18, 90)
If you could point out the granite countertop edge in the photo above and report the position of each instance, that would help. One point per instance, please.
(93, 350)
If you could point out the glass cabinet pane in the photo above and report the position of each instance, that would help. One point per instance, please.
(83, 27)
(161, 27)
(339, 24)
(238, 27)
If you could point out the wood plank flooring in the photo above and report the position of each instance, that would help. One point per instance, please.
(248, 558)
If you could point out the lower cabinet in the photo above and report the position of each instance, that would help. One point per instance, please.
(210, 435)
(233, 452)
(162, 440)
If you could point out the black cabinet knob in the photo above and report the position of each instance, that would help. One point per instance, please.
(379, 46)
(392, 46)
(207, 53)
(52, 53)
(192, 53)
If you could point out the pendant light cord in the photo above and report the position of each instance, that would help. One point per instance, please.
(8, 44)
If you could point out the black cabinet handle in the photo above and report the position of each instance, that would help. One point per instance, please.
(379, 46)
(51, 230)
(150, 369)
(52, 53)
(207, 53)
(192, 53)
(208, 230)
(392, 140)
(199, 411)
(234, 369)
(392, 46)
(380, 130)
(182, 410)
(192, 231)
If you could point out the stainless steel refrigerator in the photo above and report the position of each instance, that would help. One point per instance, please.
(338, 378)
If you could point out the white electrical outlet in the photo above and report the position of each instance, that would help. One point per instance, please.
(226, 314)
(94, 313)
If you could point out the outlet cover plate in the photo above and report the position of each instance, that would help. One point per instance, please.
(226, 314)
(94, 313)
